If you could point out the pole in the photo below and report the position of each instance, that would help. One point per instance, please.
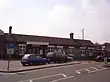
(83, 33)
(8, 67)
(9, 55)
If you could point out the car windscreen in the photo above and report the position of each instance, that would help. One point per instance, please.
(34, 57)
(26, 56)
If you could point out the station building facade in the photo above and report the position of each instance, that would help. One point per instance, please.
(42, 45)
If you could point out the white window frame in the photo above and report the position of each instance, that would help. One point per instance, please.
(22, 48)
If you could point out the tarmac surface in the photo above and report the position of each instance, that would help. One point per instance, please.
(84, 72)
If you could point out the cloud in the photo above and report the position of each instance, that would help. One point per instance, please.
(62, 19)
(58, 19)
(94, 17)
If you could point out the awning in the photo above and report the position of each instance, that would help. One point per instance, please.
(37, 43)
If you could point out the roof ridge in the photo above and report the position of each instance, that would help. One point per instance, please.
(39, 36)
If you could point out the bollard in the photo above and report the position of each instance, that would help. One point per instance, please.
(105, 60)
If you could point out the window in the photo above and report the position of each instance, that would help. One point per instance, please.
(50, 49)
(32, 57)
(22, 49)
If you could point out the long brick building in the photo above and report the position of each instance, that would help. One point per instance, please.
(43, 44)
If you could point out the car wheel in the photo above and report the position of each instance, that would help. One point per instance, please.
(44, 62)
(48, 62)
(24, 64)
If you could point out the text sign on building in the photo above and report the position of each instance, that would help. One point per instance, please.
(59, 46)
(38, 43)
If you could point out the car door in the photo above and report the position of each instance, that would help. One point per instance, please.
(32, 59)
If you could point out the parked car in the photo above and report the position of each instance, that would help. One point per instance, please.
(101, 58)
(33, 59)
(71, 56)
(58, 57)
(70, 59)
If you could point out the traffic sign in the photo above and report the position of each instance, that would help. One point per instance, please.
(11, 46)
(10, 51)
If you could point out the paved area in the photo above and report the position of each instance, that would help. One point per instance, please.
(89, 72)
(13, 64)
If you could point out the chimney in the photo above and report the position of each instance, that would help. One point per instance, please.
(71, 35)
(10, 29)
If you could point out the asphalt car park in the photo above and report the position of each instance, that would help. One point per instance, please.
(61, 74)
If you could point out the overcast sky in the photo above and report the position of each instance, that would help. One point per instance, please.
(57, 18)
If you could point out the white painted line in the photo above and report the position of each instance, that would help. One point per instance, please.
(97, 70)
(87, 70)
(62, 79)
(64, 75)
(101, 67)
(94, 68)
(46, 76)
(78, 72)
(41, 77)
(7, 73)
(30, 81)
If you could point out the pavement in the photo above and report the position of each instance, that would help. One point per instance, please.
(83, 72)
(16, 66)
(106, 64)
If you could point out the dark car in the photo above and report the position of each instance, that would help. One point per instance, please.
(58, 57)
(72, 56)
(101, 58)
(32, 59)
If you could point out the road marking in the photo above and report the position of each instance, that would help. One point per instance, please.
(97, 70)
(7, 73)
(64, 75)
(62, 79)
(46, 76)
(13, 73)
(41, 77)
(30, 81)
(78, 72)
(87, 70)
(94, 68)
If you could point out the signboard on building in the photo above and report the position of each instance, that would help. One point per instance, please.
(71, 47)
(37, 43)
(59, 46)
(91, 48)
(51, 46)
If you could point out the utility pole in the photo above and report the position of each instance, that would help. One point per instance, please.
(82, 33)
